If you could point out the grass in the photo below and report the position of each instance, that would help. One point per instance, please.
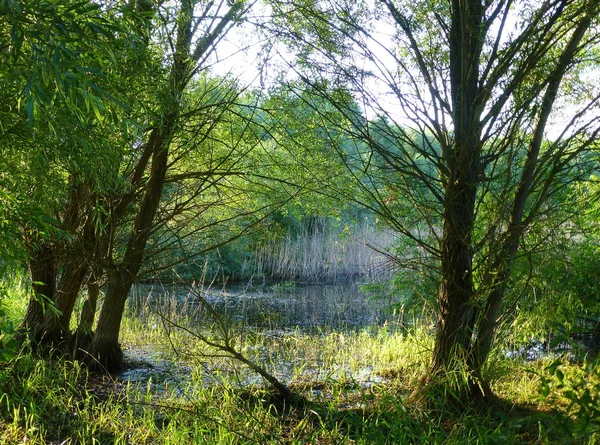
(358, 385)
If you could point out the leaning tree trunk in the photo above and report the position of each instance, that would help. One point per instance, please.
(105, 351)
(55, 326)
(88, 312)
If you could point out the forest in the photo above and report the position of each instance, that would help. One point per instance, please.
(299, 221)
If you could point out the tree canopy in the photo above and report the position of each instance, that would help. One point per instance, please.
(474, 88)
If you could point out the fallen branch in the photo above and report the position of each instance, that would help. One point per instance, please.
(225, 346)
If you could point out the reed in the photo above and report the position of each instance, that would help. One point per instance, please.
(325, 252)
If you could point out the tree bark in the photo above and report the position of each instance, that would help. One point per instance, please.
(42, 268)
(86, 322)
(457, 310)
(105, 352)
(54, 329)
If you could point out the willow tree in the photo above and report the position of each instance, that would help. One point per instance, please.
(155, 147)
(191, 31)
(474, 96)
(57, 76)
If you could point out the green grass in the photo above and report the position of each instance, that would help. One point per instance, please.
(56, 401)
(358, 386)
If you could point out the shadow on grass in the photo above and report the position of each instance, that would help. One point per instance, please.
(388, 418)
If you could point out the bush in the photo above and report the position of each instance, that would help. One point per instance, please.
(579, 389)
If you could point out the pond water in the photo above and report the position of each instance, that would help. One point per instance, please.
(282, 306)
(279, 310)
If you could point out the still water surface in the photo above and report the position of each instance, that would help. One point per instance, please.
(310, 308)
(278, 309)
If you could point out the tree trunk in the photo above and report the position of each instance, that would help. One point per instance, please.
(55, 326)
(88, 312)
(457, 309)
(105, 349)
(42, 268)
(105, 352)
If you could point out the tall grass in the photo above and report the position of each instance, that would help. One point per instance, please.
(56, 401)
(14, 297)
(323, 252)
(358, 385)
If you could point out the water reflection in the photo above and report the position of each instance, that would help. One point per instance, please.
(280, 307)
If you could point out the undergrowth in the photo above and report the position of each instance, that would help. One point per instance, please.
(57, 401)
(358, 386)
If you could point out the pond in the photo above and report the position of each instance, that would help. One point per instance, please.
(281, 306)
(279, 310)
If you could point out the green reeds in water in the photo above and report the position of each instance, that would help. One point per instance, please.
(358, 385)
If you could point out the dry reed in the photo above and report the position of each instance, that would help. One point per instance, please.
(324, 253)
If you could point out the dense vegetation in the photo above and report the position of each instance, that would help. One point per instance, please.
(444, 151)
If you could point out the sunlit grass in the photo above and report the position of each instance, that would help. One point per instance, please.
(358, 386)
(13, 303)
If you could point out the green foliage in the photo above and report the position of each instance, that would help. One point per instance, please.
(46, 58)
(359, 386)
(62, 87)
(248, 174)
(579, 389)
(414, 284)
(13, 300)
(303, 138)
(556, 282)
(563, 291)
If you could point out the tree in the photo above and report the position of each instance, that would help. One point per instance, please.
(54, 79)
(110, 191)
(483, 81)
(192, 38)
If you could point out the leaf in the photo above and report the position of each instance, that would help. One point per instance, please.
(7, 355)
(558, 340)
(106, 94)
(552, 367)
(31, 108)
(77, 6)
(544, 389)
(560, 375)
